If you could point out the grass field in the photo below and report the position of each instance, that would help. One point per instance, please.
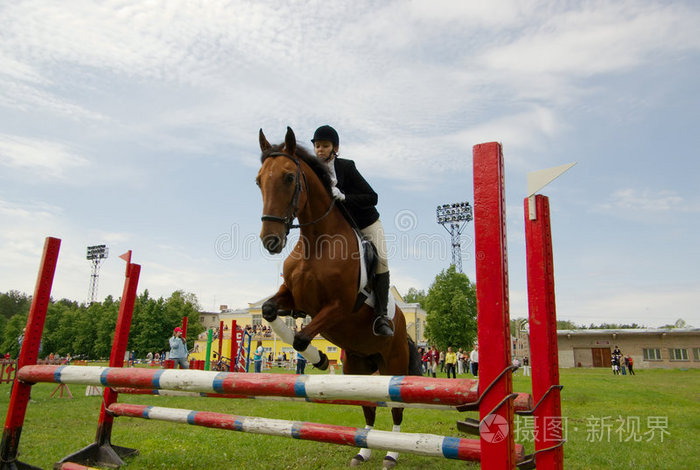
(647, 421)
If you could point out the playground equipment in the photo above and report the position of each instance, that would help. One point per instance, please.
(495, 401)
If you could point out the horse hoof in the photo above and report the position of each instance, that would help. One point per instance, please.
(269, 310)
(357, 461)
(388, 462)
(322, 364)
(300, 342)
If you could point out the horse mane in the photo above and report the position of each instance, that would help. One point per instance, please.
(303, 154)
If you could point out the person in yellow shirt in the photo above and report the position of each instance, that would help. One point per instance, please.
(451, 362)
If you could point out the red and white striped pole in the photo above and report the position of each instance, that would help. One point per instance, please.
(493, 319)
(416, 443)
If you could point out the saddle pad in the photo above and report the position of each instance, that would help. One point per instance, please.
(363, 287)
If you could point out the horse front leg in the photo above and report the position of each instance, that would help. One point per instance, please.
(282, 300)
(325, 319)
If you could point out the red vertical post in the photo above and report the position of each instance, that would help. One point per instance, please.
(184, 327)
(549, 428)
(29, 354)
(493, 319)
(121, 338)
(234, 346)
(102, 451)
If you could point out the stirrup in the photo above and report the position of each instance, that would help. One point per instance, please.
(382, 326)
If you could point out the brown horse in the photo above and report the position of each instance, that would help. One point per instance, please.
(321, 273)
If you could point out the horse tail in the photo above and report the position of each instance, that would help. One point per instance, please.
(414, 359)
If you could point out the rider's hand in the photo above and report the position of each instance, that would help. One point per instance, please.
(337, 193)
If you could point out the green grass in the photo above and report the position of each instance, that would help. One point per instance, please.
(55, 427)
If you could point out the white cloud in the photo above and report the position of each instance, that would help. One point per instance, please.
(47, 159)
(640, 202)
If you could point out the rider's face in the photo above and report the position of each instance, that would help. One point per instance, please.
(324, 150)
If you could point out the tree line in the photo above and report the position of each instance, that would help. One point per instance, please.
(87, 331)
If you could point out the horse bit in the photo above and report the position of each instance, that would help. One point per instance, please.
(293, 206)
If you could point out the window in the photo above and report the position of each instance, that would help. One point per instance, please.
(290, 321)
(331, 349)
(678, 354)
(652, 354)
(257, 319)
(696, 354)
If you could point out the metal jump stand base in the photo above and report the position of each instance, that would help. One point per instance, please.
(104, 455)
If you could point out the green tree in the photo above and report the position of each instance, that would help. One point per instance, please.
(415, 296)
(13, 303)
(13, 329)
(567, 325)
(451, 308)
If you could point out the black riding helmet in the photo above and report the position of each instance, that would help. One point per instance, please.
(326, 133)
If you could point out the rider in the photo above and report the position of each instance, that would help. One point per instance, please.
(360, 200)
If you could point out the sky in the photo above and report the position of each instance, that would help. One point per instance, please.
(134, 124)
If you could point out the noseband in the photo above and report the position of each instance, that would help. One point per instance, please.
(293, 206)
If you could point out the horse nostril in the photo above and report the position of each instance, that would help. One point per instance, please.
(273, 243)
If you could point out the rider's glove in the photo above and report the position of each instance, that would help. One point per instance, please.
(338, 194)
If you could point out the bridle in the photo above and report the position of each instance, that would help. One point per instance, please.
(293, 206)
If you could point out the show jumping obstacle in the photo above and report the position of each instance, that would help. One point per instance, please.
(496, 402)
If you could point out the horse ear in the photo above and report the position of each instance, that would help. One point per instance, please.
(290, 141)
(264, 144)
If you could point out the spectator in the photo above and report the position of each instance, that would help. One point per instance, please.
(257, 357)
(630, 364)
(301, 363)
(442, 361)
(434, 355)
(178, 349)
(450, 362)
(526, 366)
(460, 361)
(516, 365)
(425, 360)
(474, 360)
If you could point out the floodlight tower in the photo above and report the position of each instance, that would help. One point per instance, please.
(95, 254)
(454, 218)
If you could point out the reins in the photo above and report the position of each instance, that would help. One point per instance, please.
(293, 206)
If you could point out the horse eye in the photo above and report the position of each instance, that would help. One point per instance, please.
(289, 178)
(257, 181)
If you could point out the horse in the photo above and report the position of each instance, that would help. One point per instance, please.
(321, 272)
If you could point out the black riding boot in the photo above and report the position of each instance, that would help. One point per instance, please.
(382, 325)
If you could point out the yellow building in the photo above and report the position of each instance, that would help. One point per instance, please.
(252, 316)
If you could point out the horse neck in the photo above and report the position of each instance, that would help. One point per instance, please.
(317, 203)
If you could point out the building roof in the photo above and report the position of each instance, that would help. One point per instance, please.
(629, 331)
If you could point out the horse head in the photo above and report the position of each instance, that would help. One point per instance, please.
(280, 181)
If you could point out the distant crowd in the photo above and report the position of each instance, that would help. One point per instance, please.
(621, 364)
(458, 362)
